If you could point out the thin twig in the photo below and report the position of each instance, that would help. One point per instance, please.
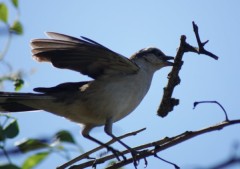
(161, 145)
(166, 161)
(87, 154)
(170, 142)
(201, 44)
(199, 102)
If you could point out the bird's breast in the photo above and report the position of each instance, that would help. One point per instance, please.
(116, 97)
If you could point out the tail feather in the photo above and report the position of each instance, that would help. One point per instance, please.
(9, 101)
(14, 107)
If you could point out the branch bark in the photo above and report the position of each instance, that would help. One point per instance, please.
(87, 154)
(167, 104)
(151, 149)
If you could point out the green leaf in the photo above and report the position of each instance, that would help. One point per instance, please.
(15, 3)
(18, 84)
(65, 136)
(9, 166)
(17, 27)
(11, 130)
(34, 160)
(3, 12)
(30, 145)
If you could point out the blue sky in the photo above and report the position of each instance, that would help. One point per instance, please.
(125, 27)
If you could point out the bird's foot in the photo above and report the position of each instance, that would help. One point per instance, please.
(117, 153)
(135, 155)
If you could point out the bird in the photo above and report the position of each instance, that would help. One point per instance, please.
(116, 87)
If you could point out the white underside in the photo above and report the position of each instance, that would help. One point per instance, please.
(111, 98)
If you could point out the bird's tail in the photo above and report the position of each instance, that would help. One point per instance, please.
(14, 102)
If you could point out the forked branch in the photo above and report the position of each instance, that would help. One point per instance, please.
(167, 104)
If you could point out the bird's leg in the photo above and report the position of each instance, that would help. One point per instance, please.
(115, 152)
(108, 130)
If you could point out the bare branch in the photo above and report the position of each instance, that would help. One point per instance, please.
(167, 104)
(201, 49)
(199, 102)
(151, 149)
(87, 154)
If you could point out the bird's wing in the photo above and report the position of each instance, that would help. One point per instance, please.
(83, 55)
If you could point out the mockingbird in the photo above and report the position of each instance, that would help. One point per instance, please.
(119, 84)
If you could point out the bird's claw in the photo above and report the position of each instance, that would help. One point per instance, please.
(134, 154)
(117, 153)
(136, 160)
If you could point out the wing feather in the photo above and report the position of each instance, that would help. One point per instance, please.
(83, 55)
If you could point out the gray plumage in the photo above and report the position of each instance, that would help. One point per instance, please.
(119, 84)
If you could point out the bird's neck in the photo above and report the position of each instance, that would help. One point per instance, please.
(146, 66)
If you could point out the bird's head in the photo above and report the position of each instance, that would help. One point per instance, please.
(152, 58)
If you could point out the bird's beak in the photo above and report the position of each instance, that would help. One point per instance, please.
(166, 60)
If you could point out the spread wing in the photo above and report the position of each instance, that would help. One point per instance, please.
(83, 55)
